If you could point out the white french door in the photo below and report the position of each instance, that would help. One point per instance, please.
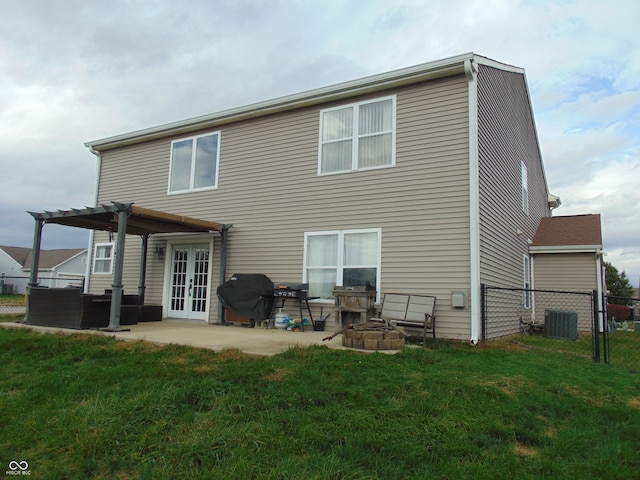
(189, 287)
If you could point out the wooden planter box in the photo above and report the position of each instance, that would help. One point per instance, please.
(353, 305)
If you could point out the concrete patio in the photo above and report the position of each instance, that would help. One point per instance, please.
(253, 341)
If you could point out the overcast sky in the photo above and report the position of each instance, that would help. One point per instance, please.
(78, 70)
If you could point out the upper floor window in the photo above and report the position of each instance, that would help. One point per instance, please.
(341, 257)
(103, 258)
(358, 136)
(194, 163)
(525, 188)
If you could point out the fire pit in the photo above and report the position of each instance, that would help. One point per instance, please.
(371, 336)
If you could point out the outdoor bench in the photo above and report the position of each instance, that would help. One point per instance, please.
(412, 311)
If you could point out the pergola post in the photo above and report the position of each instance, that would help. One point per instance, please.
(126, 219)
(116, 292)
(35, 254)
(35, 261)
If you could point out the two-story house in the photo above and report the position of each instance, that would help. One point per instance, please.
(425, 180)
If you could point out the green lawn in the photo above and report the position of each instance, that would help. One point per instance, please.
(623, 347)
(88, 406)
(13, 300)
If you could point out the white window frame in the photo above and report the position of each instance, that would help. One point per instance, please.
(340, 260)
(526, 281)
(109, 259)
(193, 164)
(355, 137)
(525, 188)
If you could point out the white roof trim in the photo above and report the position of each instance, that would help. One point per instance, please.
(567, 249)
(405, 76)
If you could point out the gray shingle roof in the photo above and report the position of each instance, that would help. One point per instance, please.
(571, 230)
(48, 258)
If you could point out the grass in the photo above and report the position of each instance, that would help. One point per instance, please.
(11, 317)
(13, 300)
(88, 406)
(623, 346)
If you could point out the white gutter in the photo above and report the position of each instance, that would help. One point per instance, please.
(87, 275)
(565, 249)
(474, 203)
(405, 76)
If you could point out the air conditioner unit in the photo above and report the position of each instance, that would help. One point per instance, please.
(561, 324)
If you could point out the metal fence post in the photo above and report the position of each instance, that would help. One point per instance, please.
(595, 340)
(602, 319)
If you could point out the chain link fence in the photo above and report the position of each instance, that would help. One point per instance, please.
(578, 323)
(13, 290)
(623, 325)
(507, 311)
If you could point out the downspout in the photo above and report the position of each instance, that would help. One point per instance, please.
(532, 269)
(474, 202)
(87, 274)
(224, 239)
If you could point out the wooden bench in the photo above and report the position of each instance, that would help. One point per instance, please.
(413, 311)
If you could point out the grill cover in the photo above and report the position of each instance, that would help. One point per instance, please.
(248, 294)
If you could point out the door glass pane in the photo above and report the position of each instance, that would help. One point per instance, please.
(181, 166)
(179, 279)
(200, 279)
(206, 160)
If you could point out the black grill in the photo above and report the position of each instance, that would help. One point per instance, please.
(291, 290)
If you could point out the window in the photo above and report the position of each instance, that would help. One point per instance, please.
(103, 258)
(194, 163)
(526, 270)
(344, 257)
(358, 136)
(525, 188)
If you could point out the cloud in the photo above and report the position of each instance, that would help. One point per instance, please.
(82, 70)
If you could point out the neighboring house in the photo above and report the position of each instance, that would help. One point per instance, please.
(12, 260)
(425, 180)
(58, 267)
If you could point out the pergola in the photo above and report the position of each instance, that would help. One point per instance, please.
(125, 218)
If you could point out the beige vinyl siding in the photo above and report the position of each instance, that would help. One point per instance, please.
(270, 191)
(568, 272)
(575, 272)
(506, 137)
